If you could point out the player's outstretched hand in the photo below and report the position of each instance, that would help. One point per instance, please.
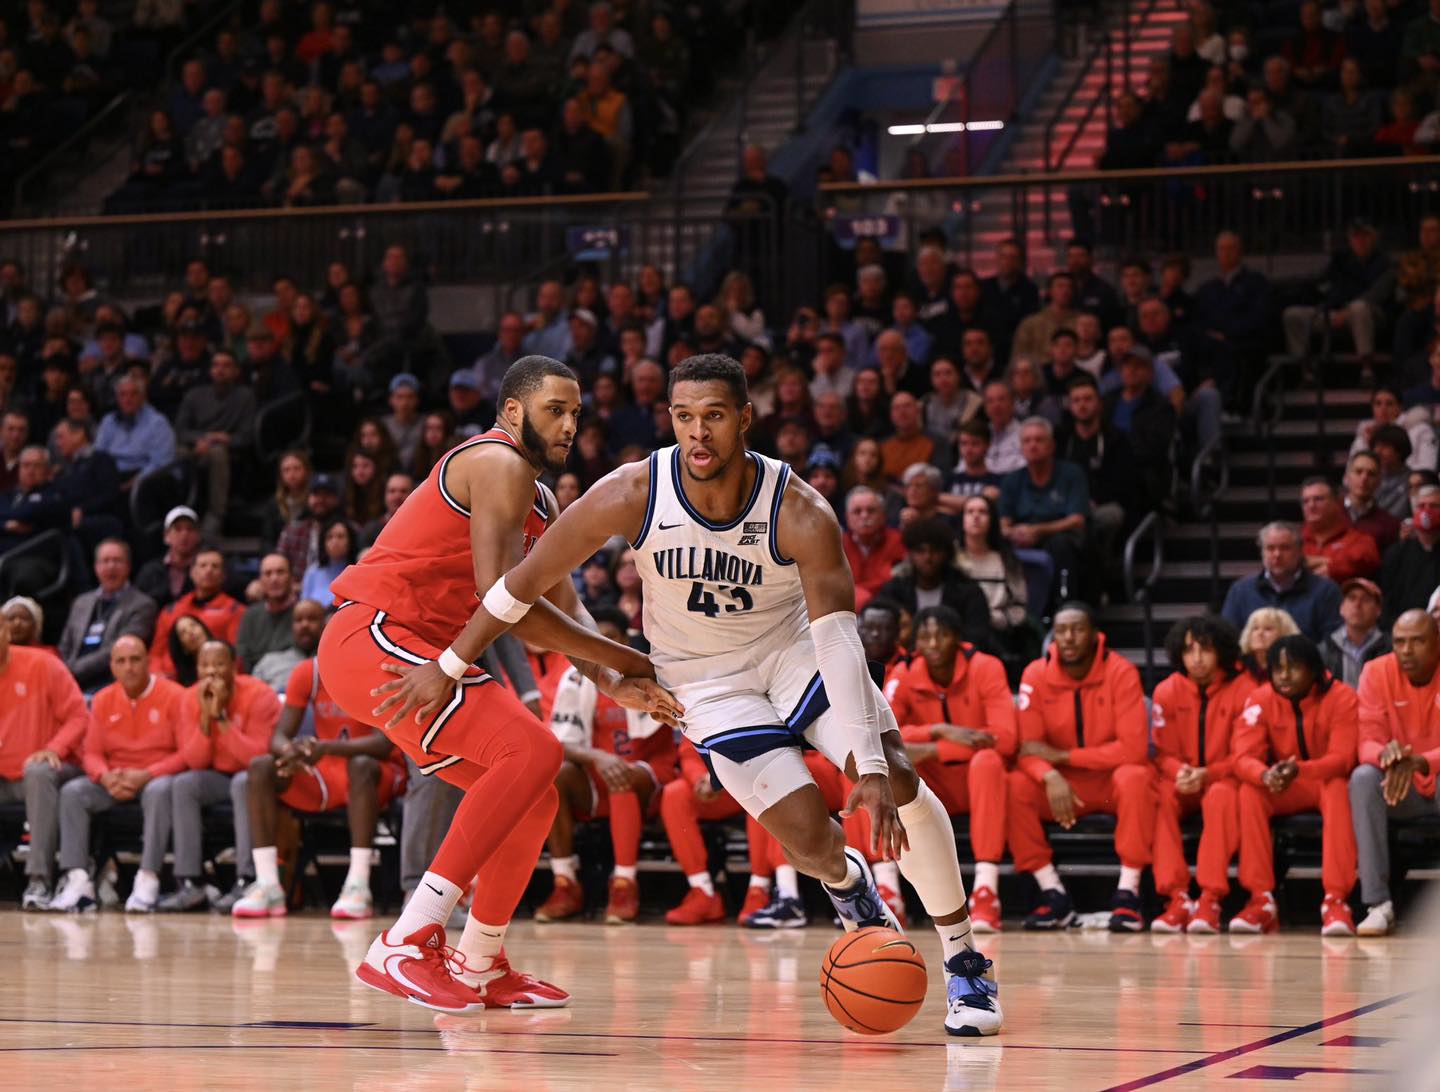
(887, 832)
(648, 696)
(422, 685)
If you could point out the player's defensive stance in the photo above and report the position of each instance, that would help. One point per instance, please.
(473, 518)
(750, 614)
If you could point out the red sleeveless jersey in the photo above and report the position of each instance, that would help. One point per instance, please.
(420, 570)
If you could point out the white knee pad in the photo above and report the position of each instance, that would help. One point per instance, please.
(762, 782)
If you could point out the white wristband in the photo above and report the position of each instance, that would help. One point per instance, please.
(452, 664)
(504, 606)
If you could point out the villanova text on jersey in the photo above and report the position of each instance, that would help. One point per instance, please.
(707, 564)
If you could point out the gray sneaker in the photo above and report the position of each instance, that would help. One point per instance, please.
(224, 903)
(185, 899)
(37, 895)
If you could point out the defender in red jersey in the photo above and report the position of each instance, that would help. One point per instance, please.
(408, 610)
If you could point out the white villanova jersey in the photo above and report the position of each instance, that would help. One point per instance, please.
(716, 589)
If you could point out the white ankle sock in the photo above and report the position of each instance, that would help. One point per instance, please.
(359, 874)
(1129, 879)
(704, 882)
(1048, 878)
(762, 882)
(626, 872)
(431, 904)
(566, 867)
(480, 944)
(267, 865)
(887, 874)
(987, 874)
(956, 938)
(852, 880)
(788, 881)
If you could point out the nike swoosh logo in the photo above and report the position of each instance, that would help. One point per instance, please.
(433, 888)
(669, 526)
(396, 973)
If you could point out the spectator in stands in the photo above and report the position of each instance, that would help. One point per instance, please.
(986, 558)
(1090, 441)
(398, 487)
(1139, 411)
(226, 719)
(1092, 292)
(1399, 754)
(1355, 281)
(265, 626)
(1374, 44)
(972, 475)
(187, 367)
(214, 424)
(340, 550)
(1392, 447)
(587, 355)
(1360, 639)
(1262, 629)
(1294, 750)
(1005, 454)
(306, 623)
(1192, 714)
(920, 486)
(1386, 409)
(1352, 118)
(949, 404)
(898, 370)
(1284, 581)
(831, 374)
(209, 603)
(1044, 505)
(1032, 336)
(1362, 479)
(1315, 51)
(933, 580)
(131, 753)
(965, 311)
(134, 433)
(1010, 295)
(602, 31)
(400, 305)
(469, 412)
(1083, 739)
(40, 740)
(1333, 547)
(1231, 312)
(978, 363)
(957, 718)
(908, 444)
(341, 763)
(165, 579)
(31, 508)
(98, 618)
(1287, 98)
(14, 435)
(1410, 570)
(86, 479)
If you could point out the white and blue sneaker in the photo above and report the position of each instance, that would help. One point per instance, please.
(782, 913)
(974, 997)
(862, 907)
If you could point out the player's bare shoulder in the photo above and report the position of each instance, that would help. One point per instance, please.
(497, 473)
(808, 529)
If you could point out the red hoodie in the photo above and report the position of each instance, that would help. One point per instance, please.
(1181, 716)
(978, 697)
(1392, 707)
(1099, 719)
(1319, 731)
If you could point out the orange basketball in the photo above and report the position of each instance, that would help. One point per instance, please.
(873, 981)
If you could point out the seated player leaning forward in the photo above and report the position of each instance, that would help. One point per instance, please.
(750, 613)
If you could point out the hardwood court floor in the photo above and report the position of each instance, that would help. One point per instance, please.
(115, 1002)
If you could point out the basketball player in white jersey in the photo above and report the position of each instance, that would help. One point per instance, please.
(750, 614)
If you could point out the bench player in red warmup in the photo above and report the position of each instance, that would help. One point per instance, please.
(616, 764)
(407, 610)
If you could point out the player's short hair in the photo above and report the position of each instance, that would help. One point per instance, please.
(1081, 607)
(1207, 630)
(1300, 649)
(528, 374)
(1082, 379)
(884, 606)
(945, 617)
(712, 368)
(613, 615)
(219, 642)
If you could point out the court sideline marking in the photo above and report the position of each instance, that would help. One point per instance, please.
(1258, 1044)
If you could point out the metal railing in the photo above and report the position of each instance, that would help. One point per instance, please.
(1154, 526)
(1266, 409)
(1206, 493)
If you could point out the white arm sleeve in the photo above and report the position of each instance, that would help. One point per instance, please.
(841, 660)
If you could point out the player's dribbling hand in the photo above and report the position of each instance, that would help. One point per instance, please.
(887, 833)
(648, 696)
(421, 685)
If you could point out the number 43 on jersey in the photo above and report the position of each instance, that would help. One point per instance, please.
(703, 602)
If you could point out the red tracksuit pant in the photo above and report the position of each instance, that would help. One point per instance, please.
(1257, 845)
(1127, 792)
(1219, 837)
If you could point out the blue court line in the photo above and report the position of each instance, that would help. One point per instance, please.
(303, 1046)
(493, 1031)
(1258, 1044)
(1203, 1024)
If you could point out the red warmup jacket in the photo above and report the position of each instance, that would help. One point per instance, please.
(871, 569)
(1319, 731)
(138, 734)
(1351, 553)
(1392, 707)
(1191, 727)
(1099, 719)
(41, 709)
(254, 710)
(978, 697)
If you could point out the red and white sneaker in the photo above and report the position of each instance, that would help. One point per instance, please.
(1205, 915)
(421, 969)
(1259, 916)
(1335, 918)
(1177, 915)
(756, 899)
(697, 908)
(565, 901)
(514, 990)
(893, 900)
(985, 911)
